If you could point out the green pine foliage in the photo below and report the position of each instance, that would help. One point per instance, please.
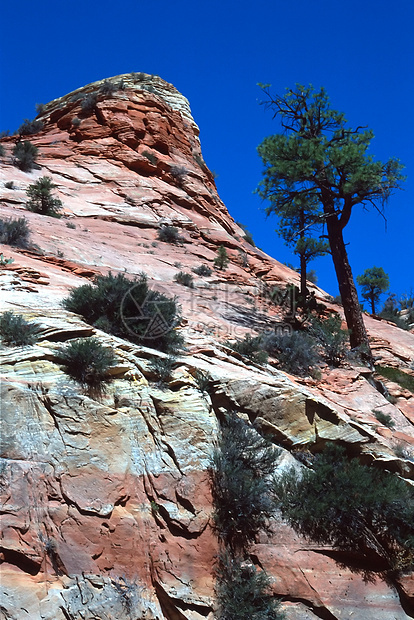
(41, 198)
(129, 309)
(373, 282)
(25, 155)
(352, 507)
(222, 260)
(169, 234)
(240, 473)
(243, 591)
(87, 361)
(15, 330)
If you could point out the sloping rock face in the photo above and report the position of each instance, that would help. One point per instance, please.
(106, 503)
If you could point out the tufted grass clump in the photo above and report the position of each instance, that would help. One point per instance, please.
(163, 367)
(15, 330)
(250, 347)
(15, 232)
(87, 361)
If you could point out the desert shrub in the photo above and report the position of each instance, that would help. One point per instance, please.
(250, 347)
(2, 151)
(76, 121)
(296, 352)
(178, 172)
(108, 88)
(247, 234)
(128, 309)
(70, 225)
(151, 157)
(25, 154)
(202, 379)
(163, 367)
(202, 270)
(396, 375)
(28, 128)
(40, 108)
(169, 234)
(222, 260)
(89, 102)
(15, 330)
(9, 185)
(186, 279)
(240, 479)
(332, 337)
(351, 507)
(384, 418)
(243, 591)
(87, 361)
(14, 232)
(41, 199)
(312, 276)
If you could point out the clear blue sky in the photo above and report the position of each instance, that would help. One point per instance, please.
(215, 53)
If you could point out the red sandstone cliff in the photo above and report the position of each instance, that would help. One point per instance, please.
(106, 502)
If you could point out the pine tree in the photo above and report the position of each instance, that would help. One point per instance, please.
(320, 162)
(373, 282)
(41, 199)
(222, 259)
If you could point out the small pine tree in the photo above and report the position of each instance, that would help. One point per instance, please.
(41, 199)
(222, 259)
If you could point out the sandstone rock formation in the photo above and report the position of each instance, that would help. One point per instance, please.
(106, 505)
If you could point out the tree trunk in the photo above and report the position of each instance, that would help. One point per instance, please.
(349, 295)
(303, 266)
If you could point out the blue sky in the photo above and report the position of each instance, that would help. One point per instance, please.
(215, 53)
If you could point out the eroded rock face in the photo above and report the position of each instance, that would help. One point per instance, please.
(106, 504)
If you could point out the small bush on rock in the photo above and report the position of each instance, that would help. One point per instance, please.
(251, 348)
(87, 361)
(296, 352)
(29, 128)
(169, 234)
(163, 367)
(222, 260)
(15, 330)
(41, 199)
(15, 232)
(203, 270)
(384, 418)
(332, 337)
(89, 102)
(128, 309)
(25, 154)
(186, 279)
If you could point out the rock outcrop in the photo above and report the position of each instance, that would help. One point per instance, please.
(106, 504)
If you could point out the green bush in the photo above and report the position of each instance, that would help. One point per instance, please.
(247, 234)
(203, 380)
(41, 199)
(332, 337)
(352, 507)
(2, 151)
(169, 234)
(9, 185)
(108, 88)
(28, 128)
(128, 309)
(151, 157)
(178, 172)
(251, 348)
(15, 330)
(384, 418)
(163, 367)
(222, 260)
(25, 155)
(296, 352)
(240, 480)
(15, 232)
(243, 591)
(87, 361)
(203, 270)
(186, 279)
